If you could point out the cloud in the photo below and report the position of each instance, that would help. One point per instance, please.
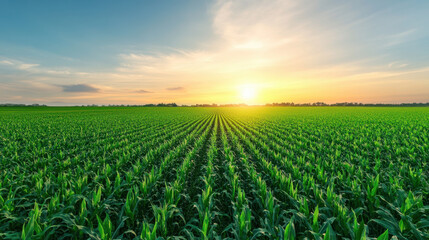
(35, 68)
(399, 38)
(143, 91)
(397, 65)
(176, 89)
(18, 64)
(26, 66)
(79, 88)
(250, 37)
(281, 46)
(6, 62)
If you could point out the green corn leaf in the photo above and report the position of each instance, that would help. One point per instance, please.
(205, 227)
(28, 230)
(101, 228)
(384, 236)
(289, 232)
(315, 225)
(153, 234)
(360, 234)
(329, 234)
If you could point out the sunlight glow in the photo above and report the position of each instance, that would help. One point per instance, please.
(248, 93)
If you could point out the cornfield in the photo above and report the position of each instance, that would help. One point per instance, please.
(214, 173)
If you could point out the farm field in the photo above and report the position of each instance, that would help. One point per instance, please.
(214, 173)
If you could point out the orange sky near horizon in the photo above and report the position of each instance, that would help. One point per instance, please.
(252, 52)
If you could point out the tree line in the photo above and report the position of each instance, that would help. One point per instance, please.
(291, 104)
(281, 104)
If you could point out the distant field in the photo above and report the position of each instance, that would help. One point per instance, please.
(206, 173)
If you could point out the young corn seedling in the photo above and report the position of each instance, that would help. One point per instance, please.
(242, 228)
(163, 216)
(81, 220)
(131, 205)
(8, 204)
(148, 233)
(53, 204)
(329, 234)
(272, 216)
(105, 228)
(289, 231)
(32, 226)
(303, 207)
(206, 228)
(410, 215)
(359, 230)
(372, 193)
(96, 198)
(117, 181)
(315, 225)
(171, 195)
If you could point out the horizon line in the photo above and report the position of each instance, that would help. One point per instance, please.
(276, 104)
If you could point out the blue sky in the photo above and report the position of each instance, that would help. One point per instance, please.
(91, 33)
(136, 52)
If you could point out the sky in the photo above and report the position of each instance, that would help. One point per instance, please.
(194, 51)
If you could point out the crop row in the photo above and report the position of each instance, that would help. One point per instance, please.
(131, 173)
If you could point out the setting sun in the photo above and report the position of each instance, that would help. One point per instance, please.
(248, 93)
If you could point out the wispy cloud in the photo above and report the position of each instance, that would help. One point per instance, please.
(293, 47)
(36, 68)
(176, 89)
(143, 91)
(18, 64)
(398, 38)
(6, 62)
(397, 65)
(26, 66)
(252, 36)
(79, 88)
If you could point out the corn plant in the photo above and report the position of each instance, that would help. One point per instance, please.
(214, 173)
(105, 227)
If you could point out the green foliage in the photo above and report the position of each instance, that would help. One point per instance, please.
(214, 173)
(384, 236)
(289, 232)
(105, 228)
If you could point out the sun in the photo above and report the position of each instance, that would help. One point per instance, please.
(248, 93)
